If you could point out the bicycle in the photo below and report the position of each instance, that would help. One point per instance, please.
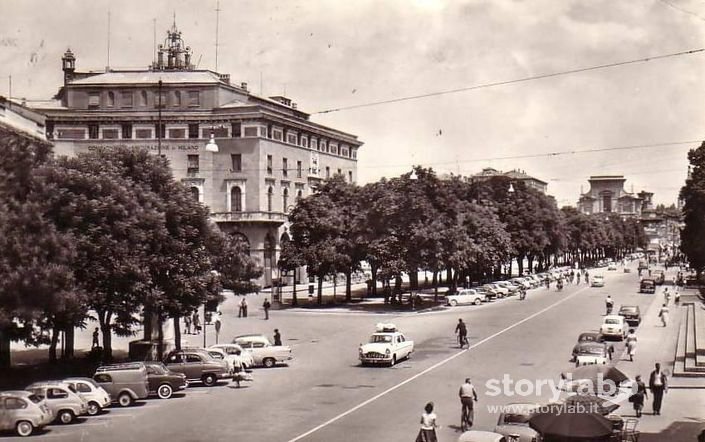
(463, 340)
(466, 415)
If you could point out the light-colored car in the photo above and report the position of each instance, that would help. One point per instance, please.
(513, 422)
(386, 346)
(525, 283)
(245, 357)
(466, 296)
(512, 289)
(501, 291)
(64, 403)
(125, 383)
(23, 411)
(589, 353)
(263, 352)
(614, 326)
(598, 281)
(612, 266)
(482, 436)
(94, 394)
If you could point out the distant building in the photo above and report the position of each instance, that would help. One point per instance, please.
(607, 195)
(514, 175)
(269, 153)
(19, 119)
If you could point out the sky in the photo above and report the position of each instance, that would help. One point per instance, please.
(328, 54)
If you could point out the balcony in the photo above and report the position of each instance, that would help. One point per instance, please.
(249, 217)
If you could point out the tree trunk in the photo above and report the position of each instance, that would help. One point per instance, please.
(348, 286)
(5, 355)
(294, 299)
(69, 342)
(160, 336)
(520, 265)
(320, 289)
(177, 332)
(54, 342)
(147, 323)
(531, 264)
(104, 319)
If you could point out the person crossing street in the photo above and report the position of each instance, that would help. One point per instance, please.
(468, 397)
(462, 331)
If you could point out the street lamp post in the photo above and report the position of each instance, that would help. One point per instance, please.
(159, 119)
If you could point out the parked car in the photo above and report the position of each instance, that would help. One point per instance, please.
(631, 314)
(162, 381)
(94, 394)
(614, 326)
(522, 283)
(598, 281)
(511, 288)
(481, 436)
(589, 353)
(586, 337)
(514, 421)
(500, 290)
(245, 357)
(658, 276)
(23, 411)
(466, 296)
(263, 352)
(64, 403)
(125, 383)
(612, 266)
(494, 291)
(197, 365)
(489, 295)
(386, 346)
(647, 286)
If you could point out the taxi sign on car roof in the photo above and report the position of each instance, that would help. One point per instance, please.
(385, 327)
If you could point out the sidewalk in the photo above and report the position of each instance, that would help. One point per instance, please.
(682, 416)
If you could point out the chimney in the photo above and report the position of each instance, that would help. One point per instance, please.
(243, 85)
(293, 105)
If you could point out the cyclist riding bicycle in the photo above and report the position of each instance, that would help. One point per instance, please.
(468, 397)
(462, 331)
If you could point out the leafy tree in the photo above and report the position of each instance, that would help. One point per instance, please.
(693, 196)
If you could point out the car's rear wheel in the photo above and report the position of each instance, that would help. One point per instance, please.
(165, 391)
(125, 400)
(477, 301)
(93, 408)
(269, 362)
(209, 379)
(66, 416)
(24, 428)
(453, 303)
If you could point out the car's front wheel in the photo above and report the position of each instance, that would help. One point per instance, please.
(477, 301)
(165, 391)
(453, 303)
(66, 416)
(209, 380)
(394, 361)
(24, 428)
(269, 362)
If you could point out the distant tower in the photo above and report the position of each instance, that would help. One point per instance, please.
(68, 64)
(173, 55)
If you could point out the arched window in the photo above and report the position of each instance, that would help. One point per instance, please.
(143, 98)
(299, 194)
(111, 99)
(285, 200)
(236, 199)
(270, 197)
(195, 193)
(177, 99)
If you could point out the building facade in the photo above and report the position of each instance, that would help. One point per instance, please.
(514, 175)
(607, 195)
(269, 153)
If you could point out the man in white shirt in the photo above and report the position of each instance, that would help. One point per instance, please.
(468, 397)
(658, 384)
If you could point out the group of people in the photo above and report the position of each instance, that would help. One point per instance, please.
(429, 420)
(242, 308)
(658, 386)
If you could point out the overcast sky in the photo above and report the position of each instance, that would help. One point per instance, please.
(331, 53)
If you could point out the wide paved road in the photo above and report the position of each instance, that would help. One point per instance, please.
(325, 395)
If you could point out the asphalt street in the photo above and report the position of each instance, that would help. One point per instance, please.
(325, 395)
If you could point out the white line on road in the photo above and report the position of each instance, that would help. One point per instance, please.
(431, 368)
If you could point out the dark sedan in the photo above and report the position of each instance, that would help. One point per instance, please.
(586, 337)
(631, 314)
(162, 381)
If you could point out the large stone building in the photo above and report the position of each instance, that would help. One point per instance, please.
(514, 175)
(267, 152)
(607, 195)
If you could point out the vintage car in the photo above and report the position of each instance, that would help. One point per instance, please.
(647, 286)
(513, 422)
(466, 296)
(598, 281)
(23, 412)
(612, 266)
(589, 353)
(658, 276)
(198, 365)
(162, 381)
(386, 346)
(61, 399)
(482, 436)
(586, 337)
(614, 326)
(125, 383)
(263, 352)
(94, 394)
(234, 350)
(631, 314)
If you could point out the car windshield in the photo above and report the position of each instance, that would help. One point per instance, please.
(612, 321)
(515, 418)
(591, 350)
(587, 338)
(380, 338)
(628, 309)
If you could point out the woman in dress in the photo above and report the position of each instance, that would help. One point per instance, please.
(427, 433)
(639, 396)
(631, 344)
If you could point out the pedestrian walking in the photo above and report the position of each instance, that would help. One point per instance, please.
(462, 331)
(96, 342)
(217, 324)
(468, 397)
(610, 352)
(637, 399)
(609, 305)
(631, 344)
(196, 320)
(658, 384)
(187, 324)
(429, 423)
(277, 337)
(677, 297)
(587, 277)
(266, 305)
(243, 306)
(666, 295)
(663, 314)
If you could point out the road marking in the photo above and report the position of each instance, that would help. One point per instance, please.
(431, 368)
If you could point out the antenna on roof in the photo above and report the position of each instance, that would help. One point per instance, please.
(217, 22)
(199, 61)
(107, 66)
(154, 29)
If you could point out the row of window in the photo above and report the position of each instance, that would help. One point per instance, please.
(285, 169)
(130, 99)
(237, 202)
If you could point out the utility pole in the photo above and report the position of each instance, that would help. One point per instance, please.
(217, 23)
(159, 119)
